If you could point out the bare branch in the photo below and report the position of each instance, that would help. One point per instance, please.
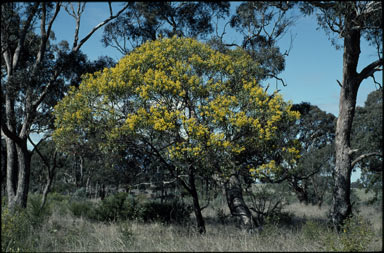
(370, 69)
(110, 8)
(45, 161)
(361, 157)
(277, 79)
(45, 91)
(45, 34)
(374, 80)
(77, 47)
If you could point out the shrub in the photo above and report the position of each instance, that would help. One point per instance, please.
(15, 227)
(59, 202)
(267, 202)
(313, 230)
(115, 207)
(165, 212)
(355, 235)
(80, 208)
(58, 197)
(36, 214)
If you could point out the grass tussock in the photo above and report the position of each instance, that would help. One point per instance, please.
(307, 230)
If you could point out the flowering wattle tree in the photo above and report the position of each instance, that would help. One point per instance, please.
(197, 110)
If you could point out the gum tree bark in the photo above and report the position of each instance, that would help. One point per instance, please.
(236, 203)
(341, 206)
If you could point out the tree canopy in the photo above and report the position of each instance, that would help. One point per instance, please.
(179, 90)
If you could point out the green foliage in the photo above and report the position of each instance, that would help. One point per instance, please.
(262, 24)
(15, 227)
(115, 207)
(311, 178)
(121, 207)
(167, 212)
(355, 235)
(57, 197)
(190, 19)
(36, 214)
(367, 137)
(312, 230)
(80, 208)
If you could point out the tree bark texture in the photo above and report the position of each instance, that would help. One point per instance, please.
(341, 206)
(196, 205)
(236, 203)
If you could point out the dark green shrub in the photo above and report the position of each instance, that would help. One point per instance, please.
(57, 197)
(115, 207)
(174, 211)
(80, 208)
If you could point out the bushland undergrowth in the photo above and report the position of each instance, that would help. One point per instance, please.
(122, 223)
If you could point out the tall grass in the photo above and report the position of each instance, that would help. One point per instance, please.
(61, 231)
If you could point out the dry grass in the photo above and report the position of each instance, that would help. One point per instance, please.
(64, 233)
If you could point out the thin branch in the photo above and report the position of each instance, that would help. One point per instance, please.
(375, 82)
(361, 157)
(338, 82)
(277, 79)
(44, 35)
(46, 163)
(110, 8)
(77, 47)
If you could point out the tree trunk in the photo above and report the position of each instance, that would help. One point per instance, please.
(18, 163)
(300, 191)
(196, 205)
(341, 206)
(11, 172)
(46, 190)
(236, 203)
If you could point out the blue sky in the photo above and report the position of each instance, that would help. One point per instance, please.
(312, 67)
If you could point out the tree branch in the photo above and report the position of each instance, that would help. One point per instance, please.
(10, 134)
(23, 34)
(77, 47)
(361, 157)
(44, 35)
(370, 69)
(46, 163)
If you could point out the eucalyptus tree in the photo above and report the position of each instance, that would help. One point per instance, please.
(261, 25)
(30, 72)
(315, 130)
(367, 137)
(144, 21)
(349, 21)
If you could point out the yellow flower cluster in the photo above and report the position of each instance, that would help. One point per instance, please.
(177, 87)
